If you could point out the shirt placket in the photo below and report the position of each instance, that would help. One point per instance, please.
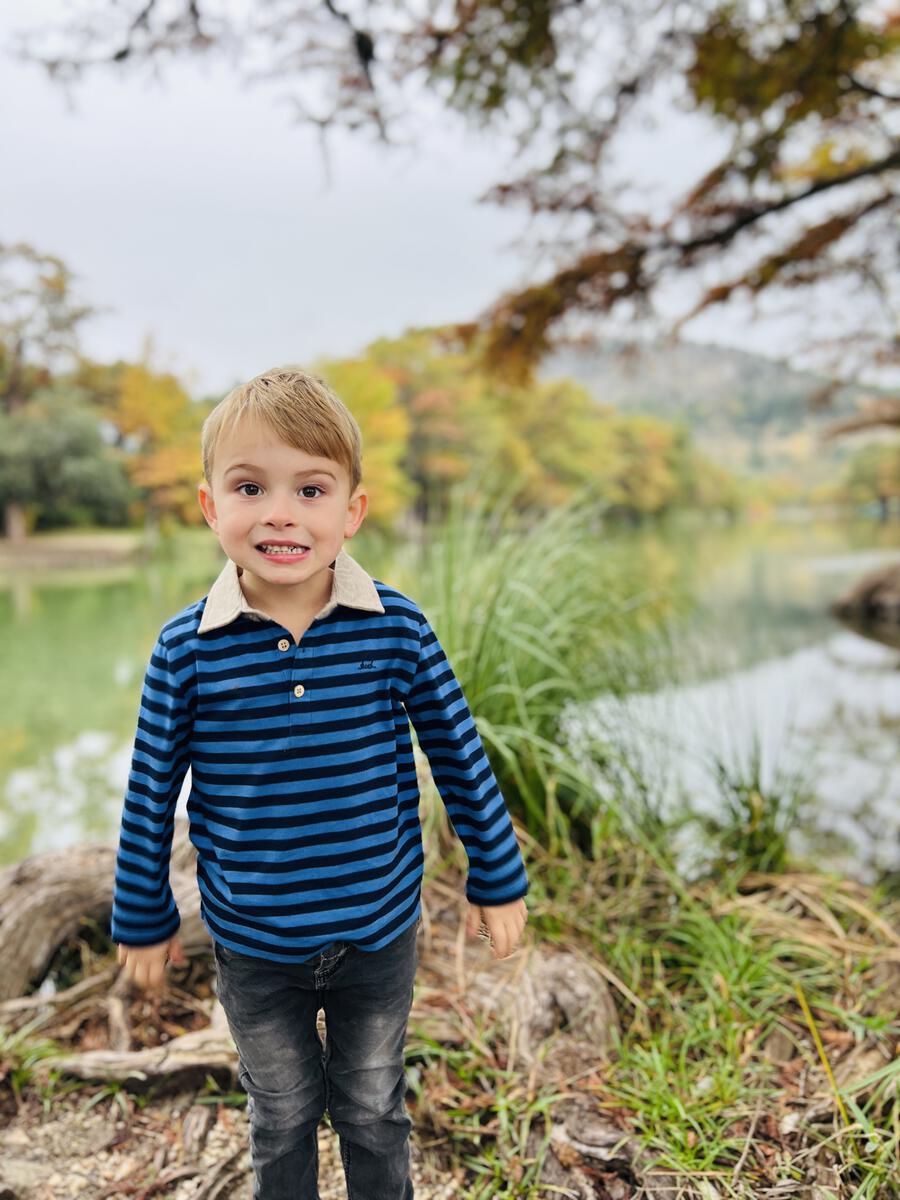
(295, 680)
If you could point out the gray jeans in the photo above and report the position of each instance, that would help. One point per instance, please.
(291, 1078)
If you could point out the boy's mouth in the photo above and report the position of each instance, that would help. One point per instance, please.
(282, 550)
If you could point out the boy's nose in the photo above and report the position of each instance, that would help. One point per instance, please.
(279, 517)
(281, 511)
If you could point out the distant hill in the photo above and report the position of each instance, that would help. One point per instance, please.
(752, 413)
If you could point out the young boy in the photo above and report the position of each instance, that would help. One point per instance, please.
(288, 691)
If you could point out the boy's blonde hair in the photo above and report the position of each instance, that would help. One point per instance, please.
(299, 408)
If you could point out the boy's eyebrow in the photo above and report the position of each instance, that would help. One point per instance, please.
(307, 471)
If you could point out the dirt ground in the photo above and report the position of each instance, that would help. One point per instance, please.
(176, 1149)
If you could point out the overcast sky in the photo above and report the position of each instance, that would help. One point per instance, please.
(201, 216)
(197, 214)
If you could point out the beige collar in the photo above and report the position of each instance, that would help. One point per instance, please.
(351, 586)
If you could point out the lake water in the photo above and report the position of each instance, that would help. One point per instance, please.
(751, 660)
(757, 677)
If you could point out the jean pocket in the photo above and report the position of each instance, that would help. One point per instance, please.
(221, 953)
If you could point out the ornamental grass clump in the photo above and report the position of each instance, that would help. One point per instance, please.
(533, 621)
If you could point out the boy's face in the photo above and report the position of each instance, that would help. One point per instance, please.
(266, 497)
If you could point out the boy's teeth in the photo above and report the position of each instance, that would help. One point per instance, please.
(283, 549)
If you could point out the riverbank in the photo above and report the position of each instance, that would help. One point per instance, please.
(737, 1037)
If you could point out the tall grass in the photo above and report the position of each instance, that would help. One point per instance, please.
(533, 618)
(752, 828)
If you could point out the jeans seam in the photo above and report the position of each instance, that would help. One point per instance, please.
(345, 1155)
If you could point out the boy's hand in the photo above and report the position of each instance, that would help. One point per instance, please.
(504, 923)
(145, 966)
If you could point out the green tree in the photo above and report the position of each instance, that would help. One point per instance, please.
(39, 320)
(872, 476)
(55, 466)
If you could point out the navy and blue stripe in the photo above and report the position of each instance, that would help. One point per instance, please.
(304, 804)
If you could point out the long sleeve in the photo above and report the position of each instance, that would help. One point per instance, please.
(144, 910)
(463, 776)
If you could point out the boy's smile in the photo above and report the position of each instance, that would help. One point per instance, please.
(281, 516)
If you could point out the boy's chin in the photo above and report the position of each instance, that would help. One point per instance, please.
(273, 571)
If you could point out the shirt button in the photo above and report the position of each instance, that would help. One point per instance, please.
(299, 690)
(284, 644)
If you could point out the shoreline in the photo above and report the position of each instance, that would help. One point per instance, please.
(72, 549)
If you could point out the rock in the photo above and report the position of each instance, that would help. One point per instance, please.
(778, 1047)
(547, 993)
(872, 606)
(16, 1137)
(23, 1179)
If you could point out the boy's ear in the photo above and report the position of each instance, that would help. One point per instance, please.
(207, 504)
(356, 510)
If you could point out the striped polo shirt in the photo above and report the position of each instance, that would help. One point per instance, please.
(304, 803)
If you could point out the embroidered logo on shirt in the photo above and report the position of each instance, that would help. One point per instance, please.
(367, 665)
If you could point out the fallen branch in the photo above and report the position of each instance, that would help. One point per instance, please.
(201, 1051)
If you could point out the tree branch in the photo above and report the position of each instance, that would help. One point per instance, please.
(363, 43)
(867, 90)
(749, 216)
(880, 414)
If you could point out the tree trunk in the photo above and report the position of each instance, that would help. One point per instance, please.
(15, 523)
(44, 899)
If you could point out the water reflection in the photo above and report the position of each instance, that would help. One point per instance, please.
(73, 649)
(822, 721)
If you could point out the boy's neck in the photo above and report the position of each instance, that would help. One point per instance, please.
(288, 607)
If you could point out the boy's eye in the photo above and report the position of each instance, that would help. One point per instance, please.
(307, 487)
